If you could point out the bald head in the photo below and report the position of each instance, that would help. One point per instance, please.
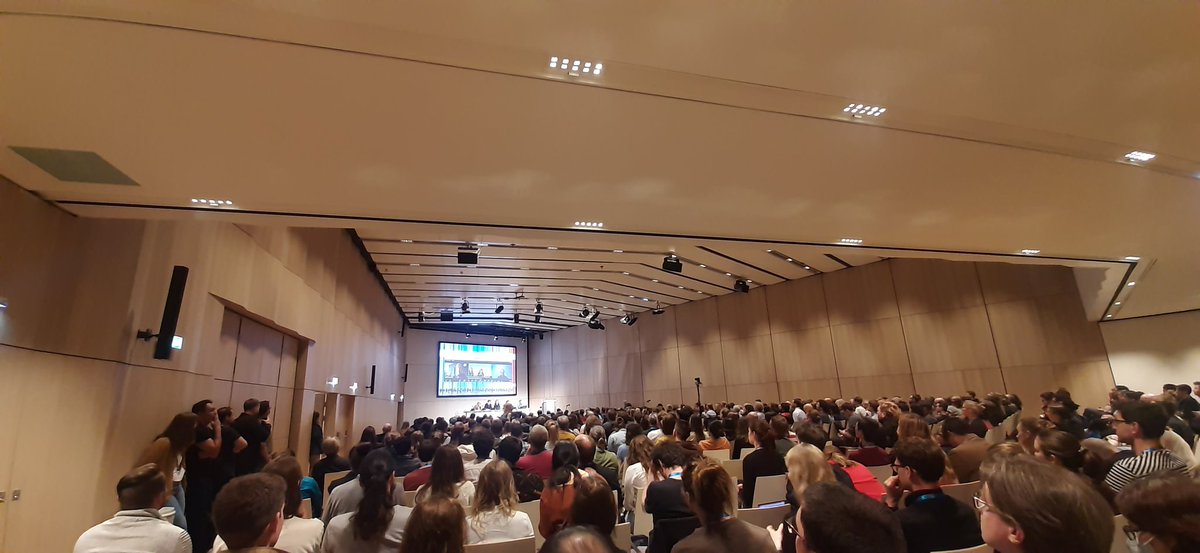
(587, 450)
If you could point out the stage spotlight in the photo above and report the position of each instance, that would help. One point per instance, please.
(741, 286)
(595, 316)
(468, 335)
(595, 325)
(672, 263)
(516, 318)
(495, 338)
(537, 318)
(538, 308)
(464, 307)
(447, 316)
(629, 319)
(499, 308)
(584, 312)
(420, 317)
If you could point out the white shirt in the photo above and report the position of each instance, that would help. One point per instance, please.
(134, 531)
(493, 526)
(632, 484)
(467, 451)
(299, 535)
(345, 499)
(654, 435)
(474, 467)
(339, 536)
(466, 493)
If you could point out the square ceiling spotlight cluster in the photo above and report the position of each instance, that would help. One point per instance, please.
(575, 66)
(212, 203)
(859, 110)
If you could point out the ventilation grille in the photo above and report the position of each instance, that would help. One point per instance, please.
(74, 165)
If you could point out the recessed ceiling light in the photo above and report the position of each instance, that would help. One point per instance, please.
(414, 264)
(645, 299)
(1132, 258)
(770, 251)
(513, 284)
(859, 110)
(574, 270)
(679, 287)
(574, 66)
(1030, 252)
(750, 281)
(624, 273)
(212, 203)
(790, 260)
(1116, 303)
(654, 280)
(589, 224)
(595, 289)
(407, 241)
(631, 296)
(703, 266)
(807, 268)
(1139, 156)
(852, 241)
(728, 274)
(1108, 316)
(618, 251)
(1131, 284)
(551, 247)
(474, 324)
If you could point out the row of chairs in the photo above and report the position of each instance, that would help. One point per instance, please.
(1118, 542)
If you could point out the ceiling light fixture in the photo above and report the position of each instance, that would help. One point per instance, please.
(629, 319)
(1108, 316)
(407, 241)
(741, 286)
(589, 224)
(1131, 284)
(852, 241)
(1030, 252)
(658, 310)
(212, 203)
(618, 251)
(624, 273)
(1139, 156)
(1116, 303)
(572, 67)
(585, 312)
(551, 247)
(595, 325)
(537, 308)
(516, 318)
(420, 317)
(859, 110)
(1132, 258)
(464, 307)
(537, 318)
(499, 308)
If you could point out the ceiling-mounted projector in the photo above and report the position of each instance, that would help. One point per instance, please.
(468, 255)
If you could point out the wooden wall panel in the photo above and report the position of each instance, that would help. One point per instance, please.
(258, 354)
(926, 285)
(660, 369)
(620, 339)
(592, 344)
(657, 331)
(220, 363)
(804, 355)
(797, 305)
(870, 348)
(949, 340)
(949, 383)
(1003, 282)
(669, 396)
(809, 389)
(290, 355)
(704, 361)
(766, 391)
(743, 315)
(863, 293)
(1018, 333)
(697, 322)
(566, 344)
(1069, 336)
(748, 361)
(892, 385)
(625, 375)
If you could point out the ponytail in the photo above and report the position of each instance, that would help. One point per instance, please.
(374, 513)
(565, 460)
(766, 438)
(711, 491)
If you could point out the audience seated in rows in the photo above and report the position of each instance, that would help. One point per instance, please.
(373, 521)
(494, 515)
(765, 460)
(930, 519)
(447, 478)
(298, 534)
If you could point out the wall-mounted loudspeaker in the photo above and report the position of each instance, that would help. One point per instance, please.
(371, 386)
(170, 317)
(405, 377)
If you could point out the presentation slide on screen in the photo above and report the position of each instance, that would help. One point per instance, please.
(467, 370)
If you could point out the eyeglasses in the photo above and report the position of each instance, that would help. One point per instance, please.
(896, 469)
(1120, 421)
(981, 506)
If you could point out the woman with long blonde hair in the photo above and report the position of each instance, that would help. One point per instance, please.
(806, 465)
(637, 465)
(494, 516)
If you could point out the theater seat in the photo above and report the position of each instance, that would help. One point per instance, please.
(764, 516)
(522, 545)
(770, 489)
(984, 548)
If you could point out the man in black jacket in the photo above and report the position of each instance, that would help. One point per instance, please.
(932, 520)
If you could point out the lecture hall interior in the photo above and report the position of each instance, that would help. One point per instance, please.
(776, 200)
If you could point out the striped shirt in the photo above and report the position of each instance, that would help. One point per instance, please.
(1149, 462)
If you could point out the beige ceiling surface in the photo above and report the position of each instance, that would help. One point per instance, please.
(1020, 117)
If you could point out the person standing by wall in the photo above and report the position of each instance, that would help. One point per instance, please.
(166, 452)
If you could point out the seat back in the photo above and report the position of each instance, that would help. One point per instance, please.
(668, 532)
(764, 516)
(718, 454)
(622, 536)
(534, 510)
(963, 492)
(1118, 544)
(306, 508)
(770, 489)
(330, 478)
(733, 467)
(881, 473)
(643, 523)
(982, 548)
(408, 498)
(520, 545)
